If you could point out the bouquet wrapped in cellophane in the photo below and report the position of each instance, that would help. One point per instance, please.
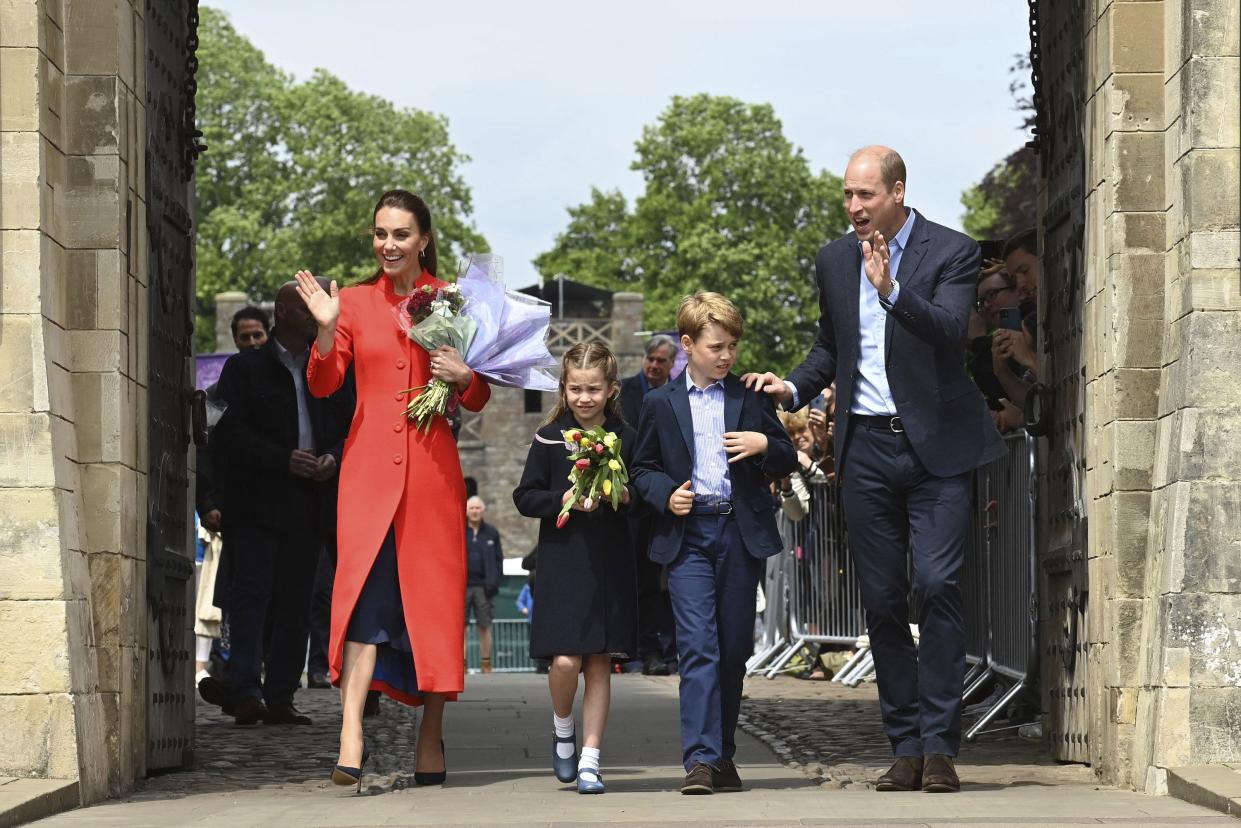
(598, 470)
(500, 334)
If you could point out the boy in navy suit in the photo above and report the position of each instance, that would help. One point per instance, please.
(707, 447)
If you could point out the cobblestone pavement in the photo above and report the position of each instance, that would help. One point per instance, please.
(499, 775)
(834, 735)
(231, 758)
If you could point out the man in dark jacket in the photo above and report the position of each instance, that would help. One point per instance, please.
(656, 629)
(484, 560)
(661, 352)
(894, 302)
(276, 449)
(250, 330)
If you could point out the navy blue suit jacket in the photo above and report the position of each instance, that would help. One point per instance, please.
(944, 415)
(664, 459)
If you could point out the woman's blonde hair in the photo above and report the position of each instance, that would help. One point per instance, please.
(584, 356)
(795, 420)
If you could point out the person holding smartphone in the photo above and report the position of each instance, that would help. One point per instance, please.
(1014, 363)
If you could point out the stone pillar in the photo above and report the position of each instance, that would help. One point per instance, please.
(1124, 326)
(227, 304)
(627, 309)
(72, 368)
(1163, 394)
(1189, 701)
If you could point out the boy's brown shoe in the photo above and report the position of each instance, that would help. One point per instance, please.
(699, 780)
(727, 780)
(939, 775)
(904, 775)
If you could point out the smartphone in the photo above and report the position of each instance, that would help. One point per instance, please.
(819, 402)
(1010, 318)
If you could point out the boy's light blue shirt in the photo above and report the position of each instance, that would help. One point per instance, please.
(710, 482)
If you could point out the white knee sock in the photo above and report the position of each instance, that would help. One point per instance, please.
(564, 729)
(589, 763)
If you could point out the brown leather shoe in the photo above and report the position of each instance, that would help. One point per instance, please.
(939, 775)
(699, 780)
(249, 710)
(726, 779)
(904, 775)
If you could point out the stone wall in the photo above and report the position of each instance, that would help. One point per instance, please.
(1163, 401)
(494, 444)
(72, 370)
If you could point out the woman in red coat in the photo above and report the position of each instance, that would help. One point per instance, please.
(397, 619)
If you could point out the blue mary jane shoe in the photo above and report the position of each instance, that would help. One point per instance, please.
(588, 785)
(565, 769)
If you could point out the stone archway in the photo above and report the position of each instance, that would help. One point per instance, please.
(1159, 383)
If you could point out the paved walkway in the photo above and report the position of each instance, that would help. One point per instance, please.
(498, 746)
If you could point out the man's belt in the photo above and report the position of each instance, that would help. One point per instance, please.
(886, 423)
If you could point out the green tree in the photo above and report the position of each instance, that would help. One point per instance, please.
(292, 171)
(1005, 202)
(729, 205)
(593, 248)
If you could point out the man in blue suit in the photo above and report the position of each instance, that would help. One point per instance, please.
(894, 299)
(707, 448)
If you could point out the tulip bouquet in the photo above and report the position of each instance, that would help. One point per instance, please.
(597, 469)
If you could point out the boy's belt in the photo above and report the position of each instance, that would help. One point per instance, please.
(719, 507)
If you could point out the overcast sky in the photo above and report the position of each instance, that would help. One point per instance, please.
(548, 97)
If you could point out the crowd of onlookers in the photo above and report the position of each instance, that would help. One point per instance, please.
(1003, 330)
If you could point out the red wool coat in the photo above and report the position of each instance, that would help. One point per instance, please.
(394, 475)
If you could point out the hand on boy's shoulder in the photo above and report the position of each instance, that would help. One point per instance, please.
(768, 386)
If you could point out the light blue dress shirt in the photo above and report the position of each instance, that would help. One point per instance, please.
(710, 481)
(871, 394)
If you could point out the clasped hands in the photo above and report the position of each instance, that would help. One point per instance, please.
(1015, 345)
(305, 464)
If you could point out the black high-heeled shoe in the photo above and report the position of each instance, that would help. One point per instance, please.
(345, 775)
(433, 777)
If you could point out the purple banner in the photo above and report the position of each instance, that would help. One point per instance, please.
(209, 367)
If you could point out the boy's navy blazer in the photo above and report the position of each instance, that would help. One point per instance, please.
(664, 459)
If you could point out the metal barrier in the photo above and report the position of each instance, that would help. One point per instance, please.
(775, 613)
(824, 603)
(510, 646)
(975, 595)
(1007, 489)
(822, 600)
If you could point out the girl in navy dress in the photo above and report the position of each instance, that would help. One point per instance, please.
(586, 590)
